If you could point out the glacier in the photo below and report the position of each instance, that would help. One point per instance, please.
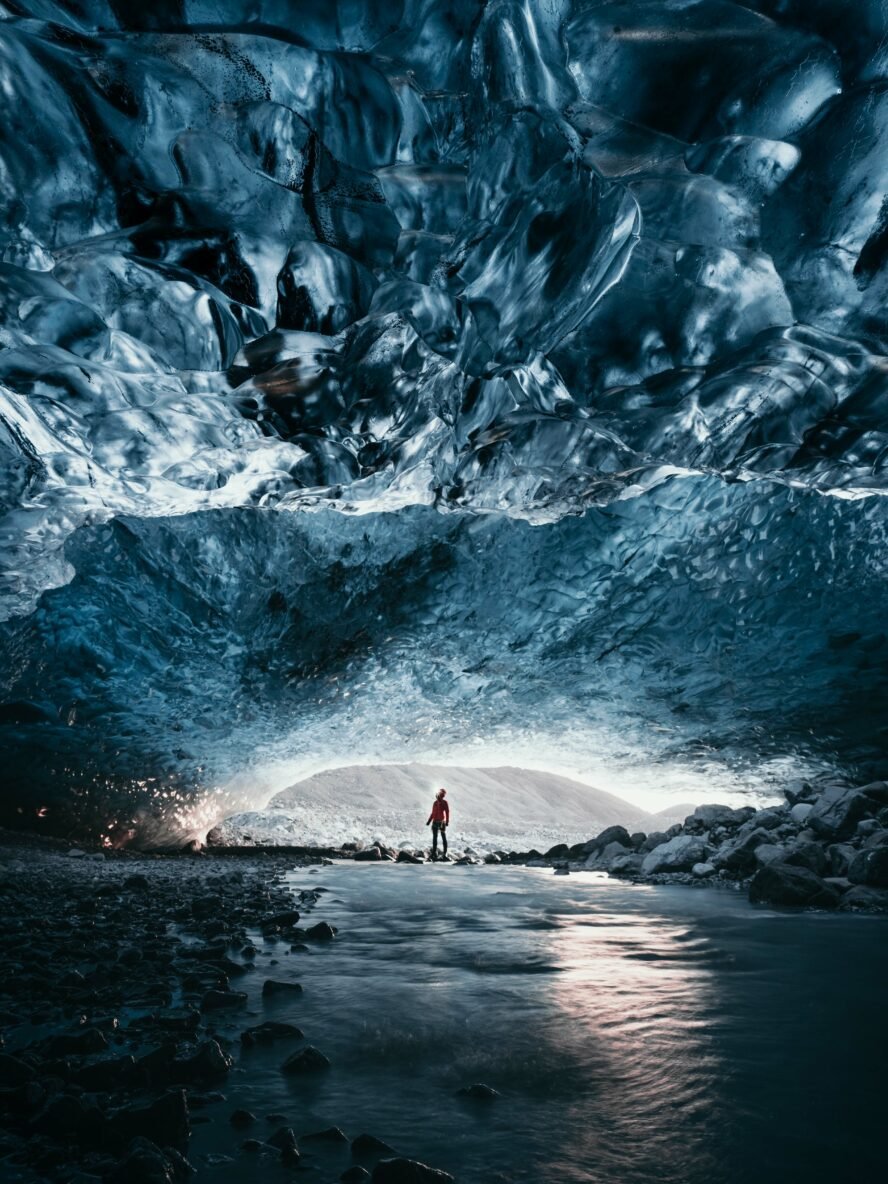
(413, 380)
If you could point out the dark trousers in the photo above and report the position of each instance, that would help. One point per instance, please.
(439, 828)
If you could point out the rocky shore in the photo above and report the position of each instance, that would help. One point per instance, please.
(825, 846)
(123, 1013)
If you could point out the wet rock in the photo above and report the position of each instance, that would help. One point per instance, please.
(82, 1043)
(478, 1092)
(624, 865)
(655, 839)
(70, 1116)
(371, 855)
(809, 855)
(838, 811)
(560, 851)
(739, 854)
(332, 1134)
(241, 1118)
(307, 1060)
(408, 1171)
(366, 1146)
(321, 932)
(492, 858)
(253, 1145)
(637, 839)
(769, 853)
(870, 867)
(678, 854)
(273, 986)
(270, 1031)
(611, 834)
(15, 1072)
(783, 884)
(144, 1163)
(703, 870)
(107, 1074)
(284, 1140)
(165, 1120)
(355, 1175)
(862, 898)
(208, 1061)
(408, 857)
(277, 921)
(215, 1000)
(136, 883)
(707, 816)
(800, 811)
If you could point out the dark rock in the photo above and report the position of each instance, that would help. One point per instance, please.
(208, 1061)
(809, 855)
(284, 920)
(273, 986)
(165, 1120)
(215, 1000)
(269, 1031)
(72, 1117)
(136, 883)
(355, 1175)
(782, 884)
(321, 932)
(705, 817)
(637, 839)
(331, 1135)
(870, 867)
(678, 854)
(408, 1171)
(366, 1146)
(876, 838)
(82, 1043)
(107, 1074)
(839, 856)
(253, 1145)
(284, 1140)
(371, 855)
(13, 1071)
(837, 812)
(560, 851)
(478, 1092)
(407, 857)
(242, 1118)
(492, 858)
(307, 1060)
(654, 840)
(739, 854)
(144, 1163)
(862, 898)
(611, 834)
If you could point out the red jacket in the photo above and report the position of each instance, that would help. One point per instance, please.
(440, 811)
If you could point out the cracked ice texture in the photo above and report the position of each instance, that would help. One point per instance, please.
(597, 288)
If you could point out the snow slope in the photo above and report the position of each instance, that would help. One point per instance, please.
(490, 808)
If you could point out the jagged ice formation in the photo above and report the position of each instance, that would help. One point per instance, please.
(383, 379)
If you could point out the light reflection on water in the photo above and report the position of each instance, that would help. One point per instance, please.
(634, 1034)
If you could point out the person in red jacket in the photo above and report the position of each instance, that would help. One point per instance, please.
(438, 820)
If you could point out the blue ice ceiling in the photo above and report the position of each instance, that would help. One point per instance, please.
(377, 379)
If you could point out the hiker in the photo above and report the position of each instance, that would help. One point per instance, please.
(438, 820)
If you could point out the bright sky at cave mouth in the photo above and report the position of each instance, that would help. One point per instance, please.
(650, 786)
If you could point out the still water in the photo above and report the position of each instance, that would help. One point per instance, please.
(635, 1034)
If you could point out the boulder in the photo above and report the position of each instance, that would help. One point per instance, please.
(839, 856)
(837, 812)
(366, 1146)
(739, 854)
(611, 834)
(560, 851)
(479, 1092)
(783, 884)
(324, 932)
(270, 1031)
(355, 1175)
(637, 839)
(371, 855)
(862, 897)
(870, 867)
(624, 865)
(768, 853)
(273, 986)
(708, 816)
(809, 855)
(876, 838)
(165, 1120)
(800, 811)
(678, 854)
(703, 870)
(601, 856)
(408, 857)
(408, 1171)
(654, 839)
(307, 1060)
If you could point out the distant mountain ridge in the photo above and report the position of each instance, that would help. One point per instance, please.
(501, 806)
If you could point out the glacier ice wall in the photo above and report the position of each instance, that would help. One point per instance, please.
(385, 378)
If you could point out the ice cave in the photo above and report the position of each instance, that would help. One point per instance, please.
(411, 380)
(443, 591)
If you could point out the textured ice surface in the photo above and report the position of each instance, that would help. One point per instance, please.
(382, 379)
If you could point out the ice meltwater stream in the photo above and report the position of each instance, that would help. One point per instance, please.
(633, 1034)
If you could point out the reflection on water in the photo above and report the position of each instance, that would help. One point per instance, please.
(634, 1034)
